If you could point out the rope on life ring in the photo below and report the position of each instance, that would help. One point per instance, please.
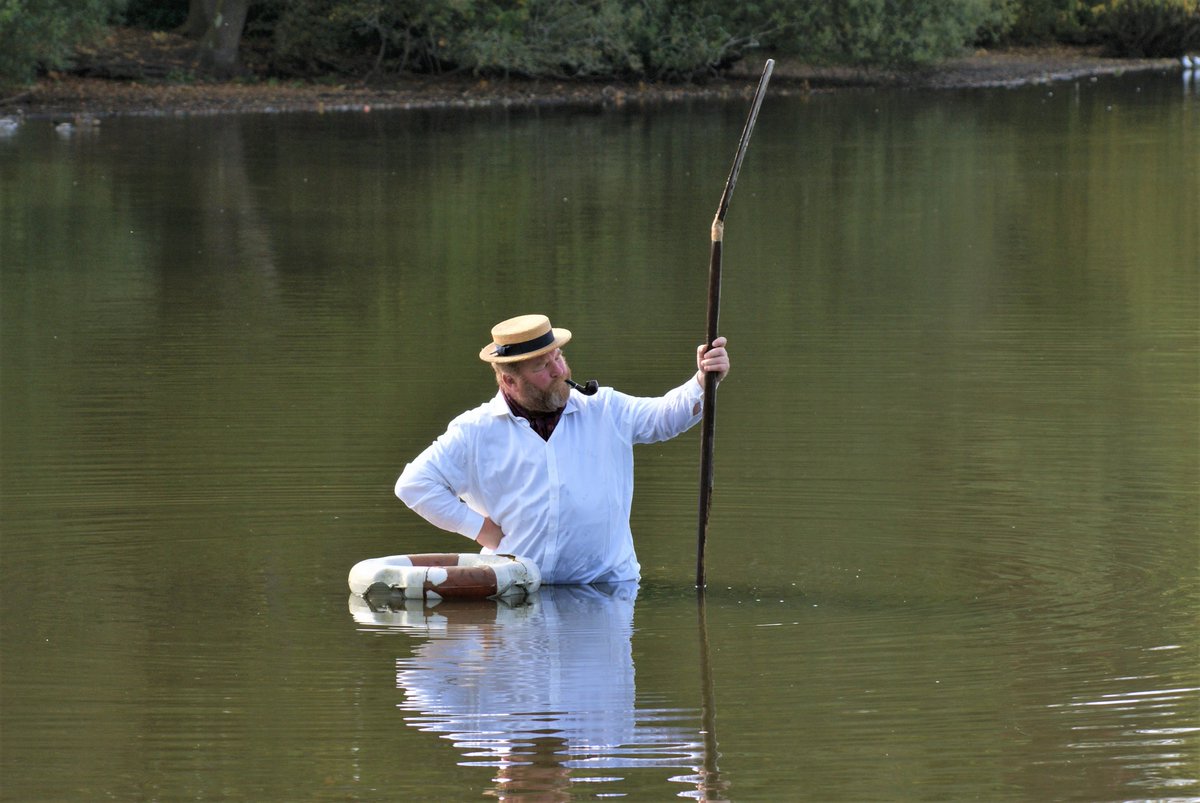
(447, 574)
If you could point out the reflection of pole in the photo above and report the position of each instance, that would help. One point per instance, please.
(711, 786)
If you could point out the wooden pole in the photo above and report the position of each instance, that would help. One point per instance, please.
(709, 420)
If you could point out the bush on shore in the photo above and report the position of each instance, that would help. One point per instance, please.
(622, 38)
(655, 39)
(38, 34)
(1126, 28)
(559, 38)
(1149, 28)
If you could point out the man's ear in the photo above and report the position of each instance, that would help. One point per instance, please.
(508, 380)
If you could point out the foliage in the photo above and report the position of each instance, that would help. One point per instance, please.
(1040, 21)
(624, 38)
(42, 34)
(316, 36)
(607, 38)
(1127, 27)
(555, 37)
(890, 32)
(157, 15)
(1150, 28)
(654, 38)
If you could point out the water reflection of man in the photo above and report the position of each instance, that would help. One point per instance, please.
(568, 716)
(545, 473)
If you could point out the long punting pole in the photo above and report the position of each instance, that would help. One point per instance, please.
(709, 421)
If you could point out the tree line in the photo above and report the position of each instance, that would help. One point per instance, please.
(631, 39)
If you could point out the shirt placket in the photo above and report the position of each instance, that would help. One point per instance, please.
(555, 500)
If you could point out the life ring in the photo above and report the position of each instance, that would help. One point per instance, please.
(446, 574)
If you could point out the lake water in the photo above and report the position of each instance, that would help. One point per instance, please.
(955, 541)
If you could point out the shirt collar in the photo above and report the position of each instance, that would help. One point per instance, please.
(498, 406)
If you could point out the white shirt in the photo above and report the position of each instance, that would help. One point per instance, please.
(563, 503)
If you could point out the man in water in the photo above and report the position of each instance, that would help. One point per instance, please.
(542, 472)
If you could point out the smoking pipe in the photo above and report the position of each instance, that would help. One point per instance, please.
(587, 390)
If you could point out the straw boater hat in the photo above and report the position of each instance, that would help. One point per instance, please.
(523, 338)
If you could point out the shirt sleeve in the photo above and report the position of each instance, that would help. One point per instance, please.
(432, 483)
(659, 419)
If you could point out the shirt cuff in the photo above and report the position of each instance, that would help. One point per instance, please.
(693, 397)
(472, 524)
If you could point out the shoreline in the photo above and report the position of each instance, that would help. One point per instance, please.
(97, 88)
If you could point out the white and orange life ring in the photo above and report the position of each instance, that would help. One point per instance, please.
(446, 574)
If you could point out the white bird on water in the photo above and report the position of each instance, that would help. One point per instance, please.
(1190, 62)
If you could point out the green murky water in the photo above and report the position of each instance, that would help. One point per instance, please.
(955, 550)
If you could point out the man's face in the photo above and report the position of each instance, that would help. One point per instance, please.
(540, 384)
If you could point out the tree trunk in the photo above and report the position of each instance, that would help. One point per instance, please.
(219, 47)
(200, 14)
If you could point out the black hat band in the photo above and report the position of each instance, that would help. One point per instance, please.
(515, 349)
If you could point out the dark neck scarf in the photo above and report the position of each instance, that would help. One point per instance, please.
(541, 423)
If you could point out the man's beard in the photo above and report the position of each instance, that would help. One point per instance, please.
(545, 401)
